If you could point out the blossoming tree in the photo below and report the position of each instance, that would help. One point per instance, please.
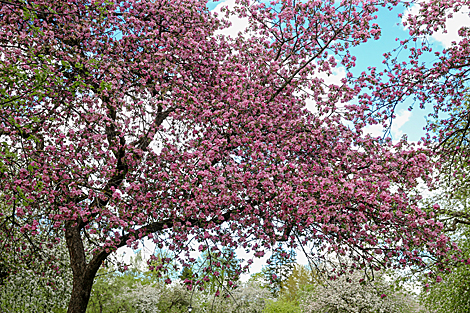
(347, 294)
(123, 120)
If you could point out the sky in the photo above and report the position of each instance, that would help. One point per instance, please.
(407, 122)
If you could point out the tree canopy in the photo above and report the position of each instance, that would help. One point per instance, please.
(124, 120)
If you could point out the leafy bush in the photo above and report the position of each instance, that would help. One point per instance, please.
(281, 305)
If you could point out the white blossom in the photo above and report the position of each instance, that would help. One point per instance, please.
(347, 294)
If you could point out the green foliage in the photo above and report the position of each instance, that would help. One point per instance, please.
(106, 291)
(300, 279)
(281, 305)
(291, 287)
(115, 292)
(452, 295)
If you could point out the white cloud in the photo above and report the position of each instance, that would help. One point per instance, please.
(453, 25)
(238, 24)
(335, 78)
(376, 130)
(401, 119)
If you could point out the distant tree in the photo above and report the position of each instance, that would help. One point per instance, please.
(302, 278)
(279, 268)
(36, 288)
(249, 297)
(353, 294)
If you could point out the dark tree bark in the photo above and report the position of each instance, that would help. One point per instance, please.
(83, 273)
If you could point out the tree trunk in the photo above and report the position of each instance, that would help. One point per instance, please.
(80, 295)
(83, 273)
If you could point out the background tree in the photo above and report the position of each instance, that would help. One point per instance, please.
(150, 125)
(279, 268)
(34, 287)
(351, 294)
(450, 293)
(282, 305)
(219, 271)
(301, 279)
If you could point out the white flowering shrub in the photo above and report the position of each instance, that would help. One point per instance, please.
(28, 292)
(40, 288)
(34, 272)
(250, 297)
(142, 298)
(347, 294)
